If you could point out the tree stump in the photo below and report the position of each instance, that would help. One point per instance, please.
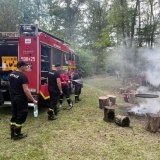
(112, 99)
(131, 97)
(103, 101)
(122, 121)
(126, 97)
(109, 113)
(152, 122)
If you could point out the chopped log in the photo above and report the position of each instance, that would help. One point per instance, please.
(112, 99)
(103, 101)
(122, 121)
(152, 122)
(109, 114)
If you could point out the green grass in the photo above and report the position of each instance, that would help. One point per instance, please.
(80, 133)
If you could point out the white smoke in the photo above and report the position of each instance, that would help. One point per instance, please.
(153, 67)
(148, 64)
(148, 106)
(152, 72)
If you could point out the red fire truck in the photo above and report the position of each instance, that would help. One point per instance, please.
(40, 50)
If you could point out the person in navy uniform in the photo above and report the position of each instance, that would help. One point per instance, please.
(55, 90)
(77, 82)
(19, 93)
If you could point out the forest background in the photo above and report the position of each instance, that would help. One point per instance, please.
(108, 35)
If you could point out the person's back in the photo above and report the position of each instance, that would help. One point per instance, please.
(55, 89)
(52, 80)
(16, 80)
(20, 94)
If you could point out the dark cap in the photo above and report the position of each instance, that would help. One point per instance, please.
(57, 65)
(21, 63)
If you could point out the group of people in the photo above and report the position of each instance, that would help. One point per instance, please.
(58, 87)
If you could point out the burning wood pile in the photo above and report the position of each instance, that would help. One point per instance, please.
(149, 110)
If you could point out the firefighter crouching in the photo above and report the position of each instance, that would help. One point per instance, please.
(20, 94)
(77, 82)
(65, 88)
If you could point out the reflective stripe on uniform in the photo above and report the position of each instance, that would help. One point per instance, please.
(13, 123)
(18, 125)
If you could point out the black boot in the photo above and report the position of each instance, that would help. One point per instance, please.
(76, 99)
(56, 110)
(17, 133)
(79, 99)
(12, 131)
(51, 115)
(70, 103)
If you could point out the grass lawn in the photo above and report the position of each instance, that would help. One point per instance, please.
(80, 133)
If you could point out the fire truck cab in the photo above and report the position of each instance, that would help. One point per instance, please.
(40, 50)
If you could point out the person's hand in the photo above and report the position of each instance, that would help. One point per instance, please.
(61, 92)
(35, 102)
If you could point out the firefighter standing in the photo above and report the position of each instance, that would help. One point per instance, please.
(77, 83)
(65, 88)
(20, 94)
(55, 90)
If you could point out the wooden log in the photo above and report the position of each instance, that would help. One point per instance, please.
(122, 121)
(109, 114)
(152, 122)
(112, 99)
(103, 101)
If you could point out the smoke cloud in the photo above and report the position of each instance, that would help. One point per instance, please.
(153, 67)
(152, 73)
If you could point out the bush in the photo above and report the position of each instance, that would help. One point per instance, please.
(86, 62)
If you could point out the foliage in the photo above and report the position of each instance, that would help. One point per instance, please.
(65, 16)
(119, 18)
(86, 61)
(8, 15)
(15, 12)
(28, 10)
